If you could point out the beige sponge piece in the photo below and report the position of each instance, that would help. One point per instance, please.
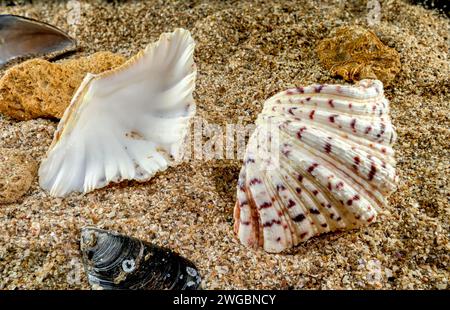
(356, 53)
(39, 88)
(17, 172)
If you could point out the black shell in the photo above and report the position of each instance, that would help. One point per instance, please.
(115, 261)
(22, 37)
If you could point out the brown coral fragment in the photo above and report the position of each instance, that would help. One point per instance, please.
(17, 172)
(356, 53)
(39, 88)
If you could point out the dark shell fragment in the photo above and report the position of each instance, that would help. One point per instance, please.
(22, 38)
(115, 261)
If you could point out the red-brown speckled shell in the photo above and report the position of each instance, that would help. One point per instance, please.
(332, 167)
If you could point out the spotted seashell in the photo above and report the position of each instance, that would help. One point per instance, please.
(319, 160)
(115, 261)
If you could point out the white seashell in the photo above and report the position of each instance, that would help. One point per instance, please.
(128, 123)
(332, 167)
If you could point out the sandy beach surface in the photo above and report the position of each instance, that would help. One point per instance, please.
(247, 51)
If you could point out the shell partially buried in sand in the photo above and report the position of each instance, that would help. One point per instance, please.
(39, 88)
(320, 160)
(128, 123)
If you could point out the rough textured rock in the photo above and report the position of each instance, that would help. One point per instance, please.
(39, 88)
(355, 53)
(17, 171)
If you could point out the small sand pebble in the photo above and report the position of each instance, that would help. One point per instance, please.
(17, 171)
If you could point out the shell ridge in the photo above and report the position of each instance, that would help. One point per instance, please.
(368, 147)
(306, 197)
(304, 217)
(338, 173)
(322, 170)
(361, 90)
(264, 206)
(341, 216)
(248, 228)
(319, 194)
(349, 125)
(331, 148)
(336, 163)
(282, 216)
(291, 207)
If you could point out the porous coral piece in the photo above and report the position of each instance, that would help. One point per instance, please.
(39, 88)
(17, 172)
(355, 53)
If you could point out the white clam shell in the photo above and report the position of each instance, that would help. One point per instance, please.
(331, 169)
(128, 123)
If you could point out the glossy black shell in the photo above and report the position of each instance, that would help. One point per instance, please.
(115, 261)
